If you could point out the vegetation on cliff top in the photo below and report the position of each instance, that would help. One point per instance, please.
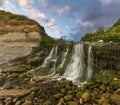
(111, 34)
(8, 15)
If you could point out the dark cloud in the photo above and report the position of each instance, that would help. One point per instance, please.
(99, 15)
(102, 14)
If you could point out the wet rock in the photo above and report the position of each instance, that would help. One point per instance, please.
(68, 87)
(70, 92)
(8, 99)
(117, 91)
(72, 103)
(18, 102)
(47, 102)
(30, 96)
(61, 100)
(115, 84)
(78, 95)
(8, 103)
(34, 89)
(1, 103)
(115, 99)
(59, 95)
(14, 92)
(7, 86)
(37, 79)
(27, 103)
(103, 87)
(61, 103)
(40, 101)
(85, 97)
(62, 90)
(68, 97)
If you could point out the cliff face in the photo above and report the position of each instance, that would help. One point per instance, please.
(107, 56)
(18, 35)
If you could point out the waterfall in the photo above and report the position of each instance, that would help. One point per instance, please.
(74, 69)
(63, 59)
(90, 63)
(54, 59)
(48, 58)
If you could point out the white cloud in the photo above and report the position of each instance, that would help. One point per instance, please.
(105, 1)
(4, 1)
(54, 9)
(60, 11)
(43, 3)
(67, 27)
(51, 25)
(84, 23)
(34, 13)
(22, 2)
(25, 2)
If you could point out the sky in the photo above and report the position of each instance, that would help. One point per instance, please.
(68, 18)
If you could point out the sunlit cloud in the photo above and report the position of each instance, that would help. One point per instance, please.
(51, 25)
(24, 2)
(61, 11)
(105, 1)
(54, 9)
(34, 13)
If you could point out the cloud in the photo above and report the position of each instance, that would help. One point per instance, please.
(34, 13)
(23, 3)
(43, 3)
(51, 25)
(84, 23)
(67, 27)
(105, 1)
(96, 15)
(4, 2)
(61, 11)
(54, 9)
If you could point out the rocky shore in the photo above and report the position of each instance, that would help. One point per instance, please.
(24, 89)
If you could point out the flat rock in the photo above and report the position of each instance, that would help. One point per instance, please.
(14, 92)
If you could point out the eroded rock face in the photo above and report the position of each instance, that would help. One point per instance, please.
(18, 37)
(107, 56)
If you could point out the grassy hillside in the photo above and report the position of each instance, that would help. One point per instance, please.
(8, 15)
(111, 34)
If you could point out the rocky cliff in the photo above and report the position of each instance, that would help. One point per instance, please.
(18, 35)
(107, 56)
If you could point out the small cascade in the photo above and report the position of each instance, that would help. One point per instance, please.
(76, 66)
(63, 59)
(54, 60)
(90, 63)
(48, 58)
(44, 63)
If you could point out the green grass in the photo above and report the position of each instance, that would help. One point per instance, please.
(111, 34)
(8, 15)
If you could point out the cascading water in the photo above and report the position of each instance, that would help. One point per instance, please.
(44, 63)
(48, 58)
(63, 59)
(90, 63)
(51, 58)
(54, 60)
(75, 68)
